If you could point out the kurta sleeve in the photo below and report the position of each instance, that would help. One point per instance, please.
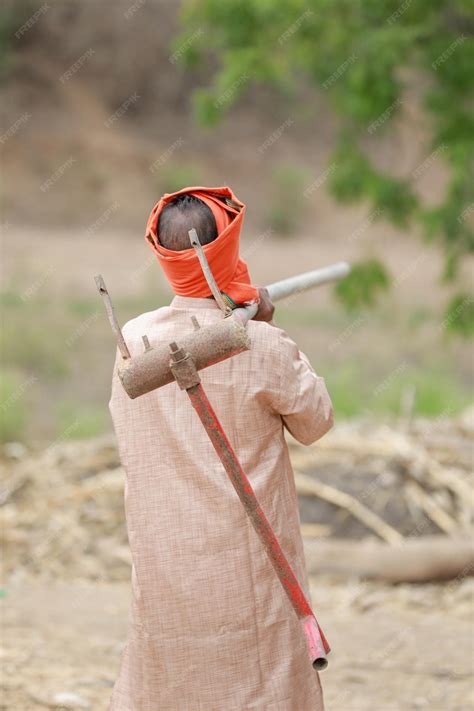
(300, 396)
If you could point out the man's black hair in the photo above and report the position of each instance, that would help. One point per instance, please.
(179, 216)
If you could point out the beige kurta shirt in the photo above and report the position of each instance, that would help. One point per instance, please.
(210, 627)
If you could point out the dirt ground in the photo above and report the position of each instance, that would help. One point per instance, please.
(394, 648)
(67, 567)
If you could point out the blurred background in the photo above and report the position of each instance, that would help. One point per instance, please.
(347, 129)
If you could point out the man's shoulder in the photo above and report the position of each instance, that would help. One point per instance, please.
(265, 338)
(272, 342)
(137, 325)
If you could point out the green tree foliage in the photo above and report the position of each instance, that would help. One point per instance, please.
(356, 53)
(360, 288)
(13, 14)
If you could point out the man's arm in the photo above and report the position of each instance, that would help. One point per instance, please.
(300, 396)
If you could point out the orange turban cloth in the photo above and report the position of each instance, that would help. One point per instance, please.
(182, 268)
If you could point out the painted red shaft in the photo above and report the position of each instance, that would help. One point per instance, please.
(318, 646)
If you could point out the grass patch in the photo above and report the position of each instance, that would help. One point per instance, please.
(75, 421)
(82, 307)
(434, 394)
(10, 299)
(354, 392)
(13, 408)
(173, 178)
(27, 344)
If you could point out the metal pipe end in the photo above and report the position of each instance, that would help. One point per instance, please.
(320, 663)
(316, 642)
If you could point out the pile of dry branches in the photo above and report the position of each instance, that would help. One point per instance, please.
(63, 516)
(428, 464)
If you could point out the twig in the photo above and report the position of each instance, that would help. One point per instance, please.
(312, 487)
(442, 519)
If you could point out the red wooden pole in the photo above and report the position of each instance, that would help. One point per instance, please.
(188, 379)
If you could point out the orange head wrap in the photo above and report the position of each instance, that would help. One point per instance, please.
(182, 269)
